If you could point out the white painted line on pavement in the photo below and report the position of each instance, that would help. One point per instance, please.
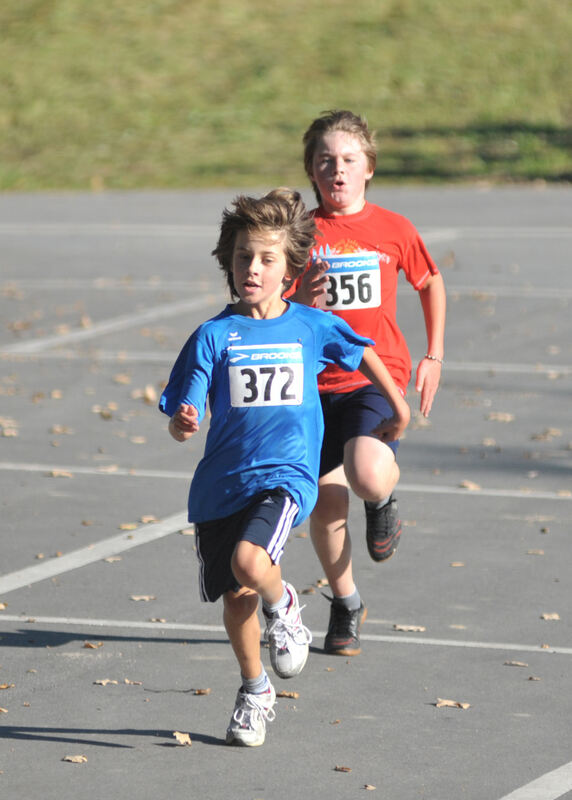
(548, 787)
(91, 553)
(33, 346)
(192, 626)
(421, 488)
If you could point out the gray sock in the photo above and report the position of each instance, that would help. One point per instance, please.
(282, 603)
(256, 685)
(351, 601)
(380, 503)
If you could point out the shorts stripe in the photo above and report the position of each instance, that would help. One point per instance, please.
(202, 587)
(276, 545)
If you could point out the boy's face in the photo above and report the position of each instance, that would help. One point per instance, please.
(258, 269)
(340, 170)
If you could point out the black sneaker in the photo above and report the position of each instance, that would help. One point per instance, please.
(342, 638)
(383, 529)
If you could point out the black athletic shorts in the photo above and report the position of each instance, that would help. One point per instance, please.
(347, 415)
(265, 521)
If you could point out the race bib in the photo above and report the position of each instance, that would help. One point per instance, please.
(354, 282)
(266, 375)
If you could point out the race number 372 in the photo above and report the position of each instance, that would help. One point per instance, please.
(266, 375)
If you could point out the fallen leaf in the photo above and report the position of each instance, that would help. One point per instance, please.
(112, 559)
(92, 645)
(335, 722)
(128, 526)
(535, 552)
(550, 616)
(547, 434)
(105, 682)
(205, 692)
(293, 695)
(132, 683)
(515, 664)
(457, 564)
(410, 628)
(75, 759)
(138, 440)
(3, 710)
(309, 590)
(3, 606)
(187, 531)
(157, 619)
(147, 518)
(60, 473)
(470, 485)
(500, 416)
(451, 704)
(322, 582)
(142, 597)
(182, 738)
(7, 685)
(339, 768)
(122, 377)
(369, 787)
(533, 678)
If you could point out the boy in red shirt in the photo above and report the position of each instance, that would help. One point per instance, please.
(354, 275)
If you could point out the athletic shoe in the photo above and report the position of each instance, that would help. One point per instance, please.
(288, 639)
(342, 638)
(247, 726)
(383, 529)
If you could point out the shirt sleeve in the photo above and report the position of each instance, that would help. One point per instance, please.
(417, 262)
(190, 377)
(342, 346)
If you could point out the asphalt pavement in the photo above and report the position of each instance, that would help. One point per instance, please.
(463, 688)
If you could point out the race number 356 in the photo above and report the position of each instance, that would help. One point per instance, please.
(266, 375)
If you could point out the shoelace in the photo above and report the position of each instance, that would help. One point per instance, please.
(252, 708)
(279, 628)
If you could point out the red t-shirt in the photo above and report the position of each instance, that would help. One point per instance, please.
(366, 251)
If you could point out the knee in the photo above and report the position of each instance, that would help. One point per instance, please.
(250, 564)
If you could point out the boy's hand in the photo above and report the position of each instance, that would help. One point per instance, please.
(427, 383)
(184, 423)
(391, 429)
(313, 284)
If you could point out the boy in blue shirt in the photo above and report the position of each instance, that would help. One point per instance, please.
(257, 363)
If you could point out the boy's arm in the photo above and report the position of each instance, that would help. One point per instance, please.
(375, 370)
(434, 304)
(184, 423)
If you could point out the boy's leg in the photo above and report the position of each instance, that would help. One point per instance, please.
(289, 639)
(332, 543)
(373, 474)
(256, 696)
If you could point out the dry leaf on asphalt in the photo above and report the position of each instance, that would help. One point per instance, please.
(293, 695)
(3, 606)
(147, 518)
(409, 628)
(7, 685)
(112, 559)
(3, 710)
(142, 597)
(182, 738)
(451, 704)
(75, 759)
(132, 683)
(470, 485)
(187, 531)
(552, 616)
(60, 473)
(535, 552)
(202, 691)
(105, 682)
(92, 645)
(339, 768)
(128, 526)
(500, 416)
(369, 787)
(515, 664)
(457, 564)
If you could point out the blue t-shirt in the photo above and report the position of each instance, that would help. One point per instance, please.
(260, 379)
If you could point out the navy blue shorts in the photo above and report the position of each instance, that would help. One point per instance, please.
(347, 415)
(265, 521)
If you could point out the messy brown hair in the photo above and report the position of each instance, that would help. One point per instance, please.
(347, 122)
(281, 211)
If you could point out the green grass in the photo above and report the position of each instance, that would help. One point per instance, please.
(204, 93)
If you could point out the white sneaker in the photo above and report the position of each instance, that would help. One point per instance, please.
(247, 726)
(288, 638)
